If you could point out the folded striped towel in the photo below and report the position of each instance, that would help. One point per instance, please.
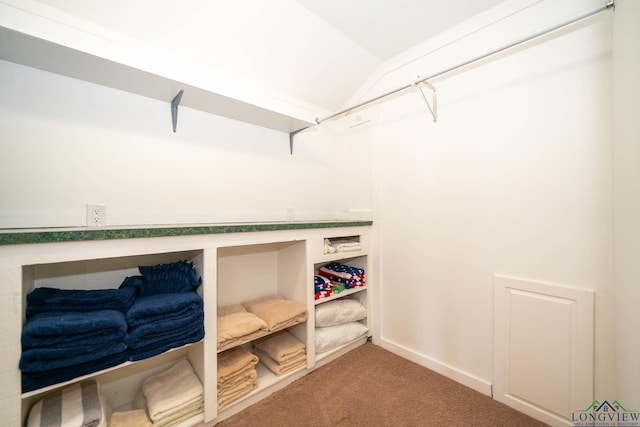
(80, 405)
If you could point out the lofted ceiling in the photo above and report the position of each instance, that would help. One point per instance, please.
(311, 52)
(386, 28)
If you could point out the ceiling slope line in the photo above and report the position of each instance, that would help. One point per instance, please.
(610, 5)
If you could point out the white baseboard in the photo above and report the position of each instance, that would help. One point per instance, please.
(448, 371)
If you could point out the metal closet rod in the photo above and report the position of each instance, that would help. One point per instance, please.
(609, 5)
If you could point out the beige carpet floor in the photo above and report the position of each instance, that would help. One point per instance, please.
(370, 386)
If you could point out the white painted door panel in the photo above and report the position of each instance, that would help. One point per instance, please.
(543, 348)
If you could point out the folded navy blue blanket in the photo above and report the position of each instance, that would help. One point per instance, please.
(167, 307)
(163, 331)
(180, 276)
(48, 359)
(34, 381)
(72, 328)
(45, 299)
(161, 346)
(73, 345)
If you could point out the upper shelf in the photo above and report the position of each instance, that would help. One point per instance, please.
(30, 35)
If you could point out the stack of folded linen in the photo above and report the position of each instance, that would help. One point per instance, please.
(236, 326)
(132, 418)
(168, 311)
(44, 299)
(281, 352)
(160, 322)
(322, 287)
(342, 273)
(341, 245)
(277, 312)
(81, 404)
(338, 323)
(174, 277)
(237, 375)
(62, 345)
(174, 397)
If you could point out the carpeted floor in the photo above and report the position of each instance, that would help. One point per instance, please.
(370, 386)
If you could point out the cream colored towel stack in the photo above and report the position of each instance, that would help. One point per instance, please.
(237, 375)
(281, 352)
(174, 397)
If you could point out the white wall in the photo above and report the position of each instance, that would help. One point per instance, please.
(66, 143)
(515, 178)
(626, 92)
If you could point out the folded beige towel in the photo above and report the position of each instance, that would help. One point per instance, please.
(281, 346)
(271, 297)
(233, 383)
(135, 418)
(195, 420)
(239, 327)
(277, 312)
(230, 309)
(233, 391)
(237, 394)
(172, 390)
(281, 368)
(234, 362)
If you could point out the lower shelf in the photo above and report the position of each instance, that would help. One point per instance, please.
(43, 390)
(266, 380)
(322, 358)
(270, 383)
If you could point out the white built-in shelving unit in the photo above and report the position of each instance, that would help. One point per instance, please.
(234, 267)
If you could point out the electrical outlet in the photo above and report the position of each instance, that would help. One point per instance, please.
(96, 215)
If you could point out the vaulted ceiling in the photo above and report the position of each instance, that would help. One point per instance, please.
(316, 52)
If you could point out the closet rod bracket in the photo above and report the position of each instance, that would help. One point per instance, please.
(433, 107)
(291, 135)
(174, 109)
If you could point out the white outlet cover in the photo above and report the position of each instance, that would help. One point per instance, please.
(96, 214)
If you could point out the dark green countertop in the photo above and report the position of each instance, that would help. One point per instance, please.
(74, 234)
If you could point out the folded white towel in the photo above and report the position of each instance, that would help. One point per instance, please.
(333, 246)
(171, 390)
(176, 418)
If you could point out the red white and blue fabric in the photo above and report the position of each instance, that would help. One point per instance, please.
(323, 287)
(321, 283)
(323, 294)
(342, 273)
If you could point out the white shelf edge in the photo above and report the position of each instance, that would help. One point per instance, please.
(339, 256)
(218, 351)
(343, 349)
(342, 294)
(70, 48)
(55, 386)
